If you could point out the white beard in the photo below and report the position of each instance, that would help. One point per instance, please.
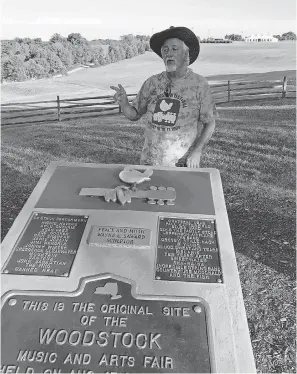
(171, 67)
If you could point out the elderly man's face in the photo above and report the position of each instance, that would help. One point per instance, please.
(174, 54)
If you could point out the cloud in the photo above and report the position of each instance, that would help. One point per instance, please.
(53, 21)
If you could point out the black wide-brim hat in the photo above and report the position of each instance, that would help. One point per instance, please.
(182, 33)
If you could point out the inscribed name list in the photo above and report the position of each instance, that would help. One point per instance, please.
(187, 251)
(47, 246)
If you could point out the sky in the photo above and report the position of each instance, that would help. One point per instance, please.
(102, 19)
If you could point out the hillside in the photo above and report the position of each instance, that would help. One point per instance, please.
(217, 62)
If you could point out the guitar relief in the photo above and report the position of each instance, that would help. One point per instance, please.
(122, 194)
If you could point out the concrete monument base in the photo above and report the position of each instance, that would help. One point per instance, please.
(102, 276)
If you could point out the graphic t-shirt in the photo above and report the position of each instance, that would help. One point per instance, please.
(172, 120)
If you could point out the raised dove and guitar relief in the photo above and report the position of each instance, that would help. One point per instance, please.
(124, 194)
(130, 175)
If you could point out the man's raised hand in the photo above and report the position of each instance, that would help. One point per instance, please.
(120, 96)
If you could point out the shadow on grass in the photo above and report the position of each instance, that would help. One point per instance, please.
(12, 196)
(263, 235)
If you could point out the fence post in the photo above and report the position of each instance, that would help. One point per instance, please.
(285, 81)
(229, 91)
(59, 108)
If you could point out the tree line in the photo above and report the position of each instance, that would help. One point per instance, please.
(25, 58)
(286, 36)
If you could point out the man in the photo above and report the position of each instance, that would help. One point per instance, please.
(175, 102)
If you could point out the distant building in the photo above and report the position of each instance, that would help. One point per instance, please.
(260, 38)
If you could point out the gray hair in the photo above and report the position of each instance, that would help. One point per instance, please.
(187, 50)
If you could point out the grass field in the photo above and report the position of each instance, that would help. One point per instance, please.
(254, 149)
(216, 62)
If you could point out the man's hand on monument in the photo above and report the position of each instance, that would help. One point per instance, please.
(120, 96)
(193, 161)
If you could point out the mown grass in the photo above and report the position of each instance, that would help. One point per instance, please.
(253, 148)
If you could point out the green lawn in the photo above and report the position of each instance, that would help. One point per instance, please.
(217, 62)
(254, 150)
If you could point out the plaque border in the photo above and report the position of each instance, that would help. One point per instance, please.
(156, 251)
(85, 280)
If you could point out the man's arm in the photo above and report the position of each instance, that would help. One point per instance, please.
(193, 161)
(208, 129)
(207, 116)
(140, 101)
(130, 112)
(122, 99)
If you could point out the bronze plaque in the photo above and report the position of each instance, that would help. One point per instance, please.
(103, 328)
(111, 236)
(69, 181)
(188, 251)
(47, 246)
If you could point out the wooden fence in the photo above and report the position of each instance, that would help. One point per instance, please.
(88, 107)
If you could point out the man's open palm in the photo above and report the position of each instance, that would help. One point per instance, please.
(120, 96)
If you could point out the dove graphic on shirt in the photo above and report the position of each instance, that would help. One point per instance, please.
(164, 106)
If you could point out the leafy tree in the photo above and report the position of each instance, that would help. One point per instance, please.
(112, 56)
(36, 51)
(34, 70)
(66, 58)
(57, 38)
(76, 39)
(234, 37)
(45, 64)
(147, 46)
(129, 52)
(141, 48)
(107, 59)
(56, 65)
(129, 39)
(27, 40)
(98, 57)
(13, 69)
(122, 53)
(119, 53)
(288, 36)
(134, 49)
(18, 40)
(9, 47)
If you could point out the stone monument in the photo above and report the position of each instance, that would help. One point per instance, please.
(123, 269)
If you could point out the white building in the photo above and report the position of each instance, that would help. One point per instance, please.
(260, 38)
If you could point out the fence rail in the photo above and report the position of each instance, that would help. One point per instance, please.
(69, 108)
